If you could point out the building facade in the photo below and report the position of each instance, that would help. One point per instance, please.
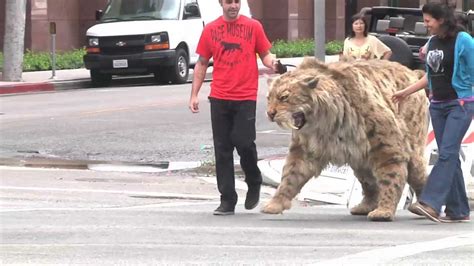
(72, 18)
(282, 19)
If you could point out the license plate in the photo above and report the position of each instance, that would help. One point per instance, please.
(122, 63)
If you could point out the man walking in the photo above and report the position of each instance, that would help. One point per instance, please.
(233, 41)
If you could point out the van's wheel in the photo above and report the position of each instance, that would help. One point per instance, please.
(100, 79)
(401, 53)
(179, 72)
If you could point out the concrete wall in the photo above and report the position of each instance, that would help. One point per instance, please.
(2, 22)
(72, 18)
(293, 19)
(282, 19)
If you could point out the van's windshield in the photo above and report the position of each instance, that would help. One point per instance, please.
(126, 10)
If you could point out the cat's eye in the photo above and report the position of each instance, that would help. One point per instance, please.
(283, 97)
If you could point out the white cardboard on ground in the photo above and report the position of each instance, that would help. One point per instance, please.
(338, 185)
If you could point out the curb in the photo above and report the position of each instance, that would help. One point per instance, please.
(27, 87)
(96, 165)
(22, 88)
(72, 84)
(56, 163)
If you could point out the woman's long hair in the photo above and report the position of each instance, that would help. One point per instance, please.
(359, 16)
(449, 28)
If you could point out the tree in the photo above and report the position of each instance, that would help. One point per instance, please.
(14, 39)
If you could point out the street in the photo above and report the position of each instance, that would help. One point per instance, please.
(85, 217)
(140, 124)
(73, 216)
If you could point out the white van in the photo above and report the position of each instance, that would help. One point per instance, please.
(148, 36)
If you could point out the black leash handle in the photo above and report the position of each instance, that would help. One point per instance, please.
(283, 68)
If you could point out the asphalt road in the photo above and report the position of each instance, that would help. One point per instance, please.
(142, 124)
(78, 217)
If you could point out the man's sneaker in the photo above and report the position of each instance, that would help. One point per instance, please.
(253, 196)
(224, 209)
(447, 219)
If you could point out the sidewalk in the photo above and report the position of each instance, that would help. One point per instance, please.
(41, 81)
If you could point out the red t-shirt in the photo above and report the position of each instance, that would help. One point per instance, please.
(233, 46)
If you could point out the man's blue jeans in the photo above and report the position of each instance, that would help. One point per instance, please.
(445, 185)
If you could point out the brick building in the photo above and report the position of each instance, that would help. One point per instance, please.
(282, 19)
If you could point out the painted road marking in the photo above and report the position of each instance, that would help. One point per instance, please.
(136, 207)
(386, 255)
(142, 168)
(274, 132)
(130, 193)
(239, 184)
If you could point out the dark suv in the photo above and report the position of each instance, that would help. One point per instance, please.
(470, 21)
(403, 30)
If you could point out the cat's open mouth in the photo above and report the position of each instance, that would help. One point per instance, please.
(299, 120)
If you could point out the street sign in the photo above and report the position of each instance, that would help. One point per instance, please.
(52, 28)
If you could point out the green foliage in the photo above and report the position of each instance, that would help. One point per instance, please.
(334, 47)
(38, 61)
(71, 60)
(297, 48)
(35, 61)
(304, 47)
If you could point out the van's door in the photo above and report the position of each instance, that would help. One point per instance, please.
(193, 26)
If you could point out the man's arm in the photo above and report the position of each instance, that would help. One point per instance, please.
(268, 60)
(200, 70)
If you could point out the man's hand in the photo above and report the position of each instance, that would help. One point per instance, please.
(275, 65)
(279, 67)
(198, 78)
(194, 104)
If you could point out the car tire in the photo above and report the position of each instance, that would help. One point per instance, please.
(179, 72)
(401, 53)
(100, 79)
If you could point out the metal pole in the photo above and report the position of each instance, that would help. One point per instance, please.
(53, 55)
(320, 29)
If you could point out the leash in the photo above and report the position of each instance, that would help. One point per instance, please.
(283, 68)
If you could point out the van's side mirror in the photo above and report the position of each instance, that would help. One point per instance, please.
(98, 14)
(191, 10)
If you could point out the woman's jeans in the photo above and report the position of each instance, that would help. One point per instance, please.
(233, 125)
(445, 184)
